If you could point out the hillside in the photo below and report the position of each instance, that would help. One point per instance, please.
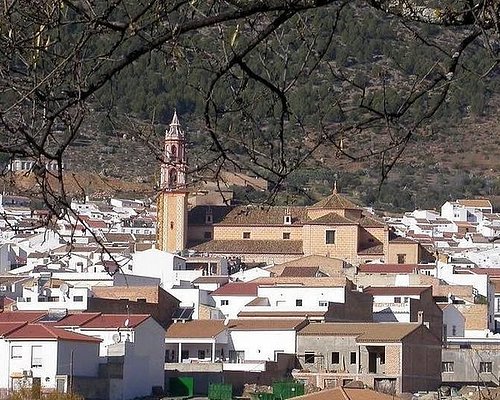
(361, 83)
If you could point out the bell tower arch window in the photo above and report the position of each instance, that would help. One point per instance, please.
(172, 177)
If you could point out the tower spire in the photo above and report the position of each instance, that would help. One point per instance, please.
(172, 200)
(174, 166)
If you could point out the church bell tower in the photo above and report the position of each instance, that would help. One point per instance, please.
(172, 202)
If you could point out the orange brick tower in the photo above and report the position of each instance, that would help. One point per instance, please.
(171, 231)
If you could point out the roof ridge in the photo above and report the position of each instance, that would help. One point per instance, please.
(50, 330)
(344, 394)
(97, 314)
(15, 328)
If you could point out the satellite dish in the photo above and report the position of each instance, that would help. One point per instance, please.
(64, 288)
(126, 323)
(117, 338)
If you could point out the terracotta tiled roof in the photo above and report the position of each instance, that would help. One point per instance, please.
(314, 261)
(263, 215)
(237, 289)
(401, 239)
(119, 238)
(396, 290)
(478, 238)
(197, 215)
(377, 249)
(465, 224)
(76, 319)
(301, 281)
(300, 271)
(370, 221)
(331, 219)
(8, 327)
(96, 223)
(382, 332)
(266, 324)
(283, 314)
(21, 316)
(259, 301)
(200, 328)
(336, 201)
(496, 284)
(113, 321)
(47, 332)
(388, 268)
(9, 279)
(76, 248)
(480, 203)
(143, 246)
(251, 246)
(327, 265)
(479, 271)
(212, 279)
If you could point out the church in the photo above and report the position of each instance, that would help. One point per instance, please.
(334, 227)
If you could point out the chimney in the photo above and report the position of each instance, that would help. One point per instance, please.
(420, 318)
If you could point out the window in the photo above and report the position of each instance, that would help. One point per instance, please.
(286, 235)
(287, 220)
(77, 298)
(323, 303)
(309, 357)
(335, 357)
(236, 356)
(207, 235)
(224, 302)
(330, 237)
(209, 219)
(447, 366)
(36, 356)
(397, 299)
(382, 358)
(401, 258)
(454, 330)
(497, 304)
(298, 302)
(201, 354)
(353, 357)
(246, 235)
(16, 352)
(485, 366)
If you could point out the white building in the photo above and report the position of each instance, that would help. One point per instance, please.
(45, 293)
(168, 267)
(453, 321)
(139, 339)
(37, 353)
(466, 210)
